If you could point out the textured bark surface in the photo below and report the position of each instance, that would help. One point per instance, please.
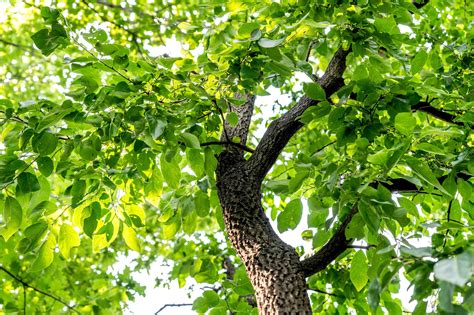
(272, 265)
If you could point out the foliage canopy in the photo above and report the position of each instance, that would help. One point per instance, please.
(108, 145)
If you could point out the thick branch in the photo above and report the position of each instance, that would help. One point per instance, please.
(438, 113)
(282, 129)
(240, 130)
(25, 284)
(333, 248)
(404, 185)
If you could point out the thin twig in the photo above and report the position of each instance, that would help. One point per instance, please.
(24, 300)
(448, 219)
(122, 27)
(361, 246)
(172, 305)
(19, 46)
(102, 62)
(323, 292)
(25, 284)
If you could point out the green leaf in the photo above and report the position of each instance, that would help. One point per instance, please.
(418, 61)
(446, 293)
(370, 216)
(12, 216)
(246, 29)
(379, 158)
(49, 15)
(291, 216)
(202, 204)
(422, 171)
(405, 123)
(200, 305)
(211, 297)
(416, 252)
(233, 119)
(270, 43)
(386, 24)
(316, 112)
(45, 255)
(89, 148)
(360, 73)
(27, 182)
(191, 140)
(156, 126)
(171, 172)
(317, 212)
(130, 238)
(68, 238)
(456, 270)
(95, 36)
(464, 189)
(314, 91)
(33, 236)
(196, 161)
(430, 148)
(49, 40)
(359, 268)
(44, 143)
(373, 295)
(408, 205)
(90, 225)
(336, 118)
(45, 165)
(393, 308)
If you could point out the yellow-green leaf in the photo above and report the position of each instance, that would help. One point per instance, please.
(12, 215)
(359, 268)
(45, 255)
(68, 238)
(130, 238)
(191, 140)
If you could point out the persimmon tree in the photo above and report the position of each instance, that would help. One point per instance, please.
(108, 145)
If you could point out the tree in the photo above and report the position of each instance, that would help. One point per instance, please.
(109, 147)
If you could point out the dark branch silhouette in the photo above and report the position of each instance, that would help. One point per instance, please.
(438, 113)
(172, 305)
(27, 285)
(333, 248)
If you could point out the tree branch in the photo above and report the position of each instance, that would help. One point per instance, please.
(324, 292)
(404, 185)
(172, 305)
(19, 46)
(282, 129)
(240, 130)
(438, 113)
(333, 248)
(25, 284)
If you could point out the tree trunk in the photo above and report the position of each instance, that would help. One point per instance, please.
(272, 265)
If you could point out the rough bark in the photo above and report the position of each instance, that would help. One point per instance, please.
(282, 129)
(272, 265)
